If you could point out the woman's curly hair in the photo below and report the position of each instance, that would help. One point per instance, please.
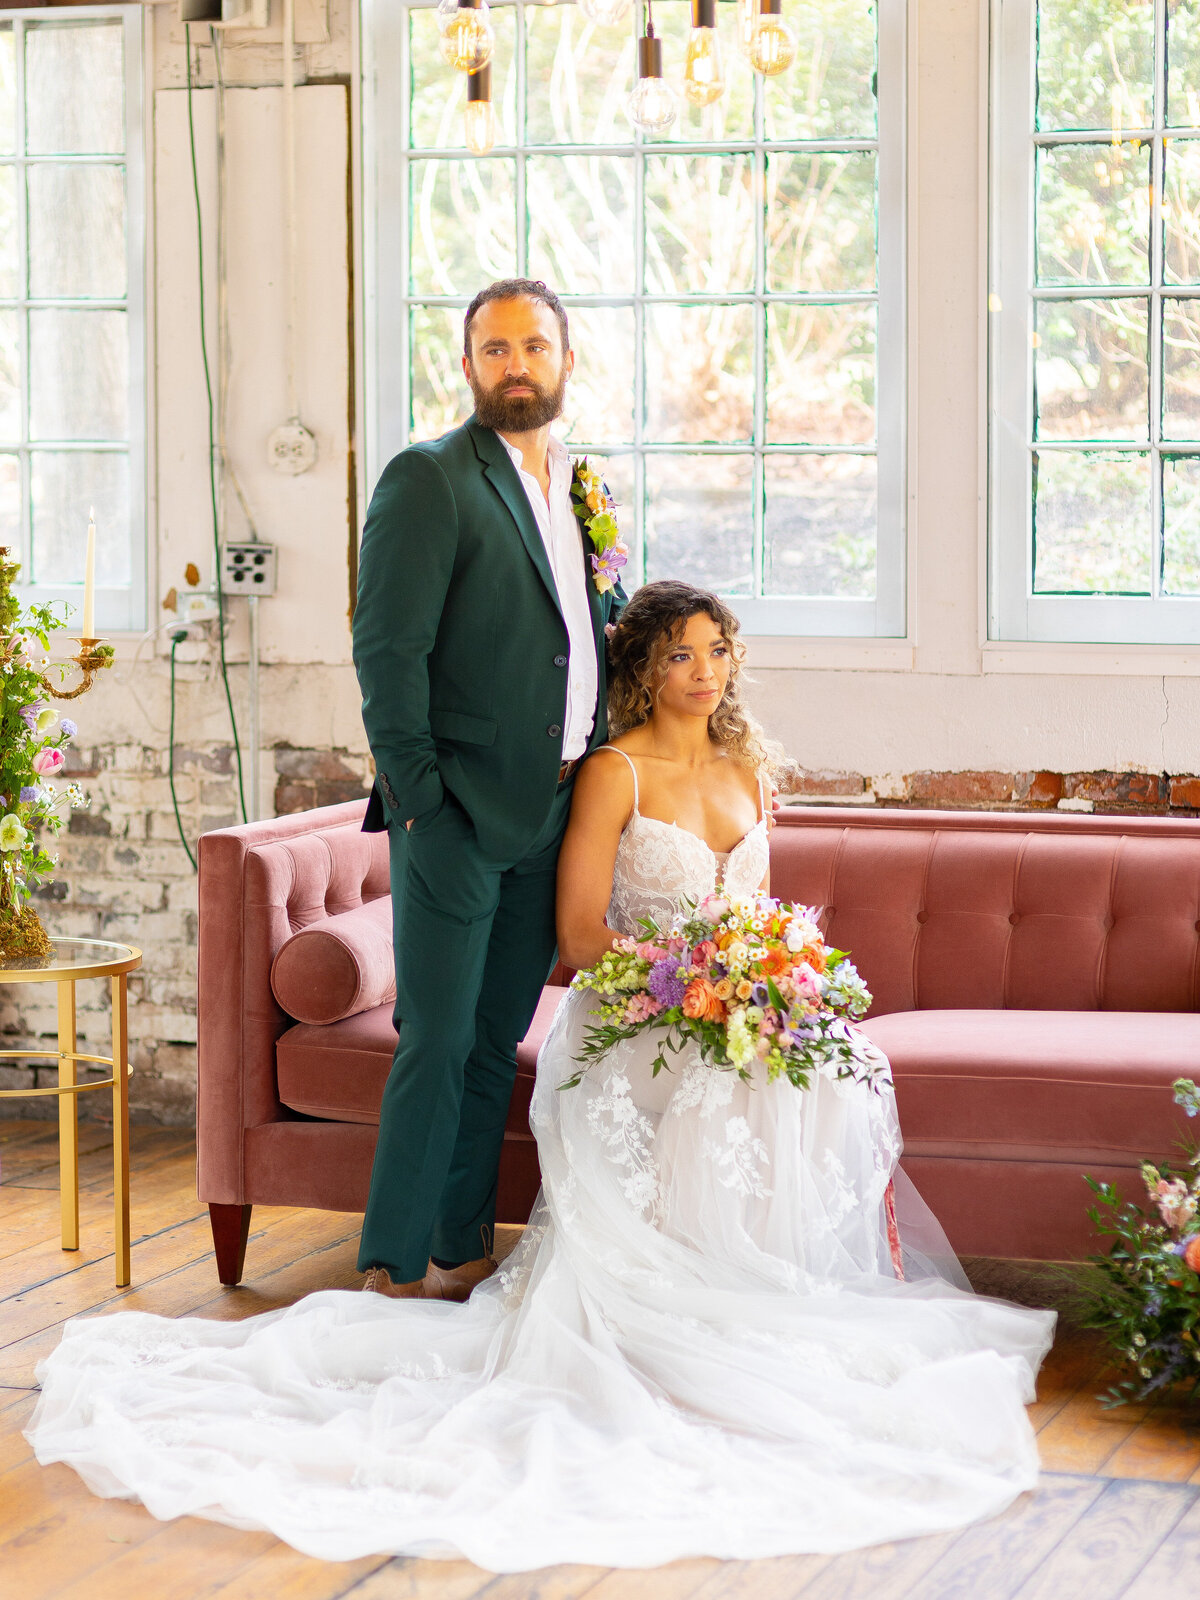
(638, 647)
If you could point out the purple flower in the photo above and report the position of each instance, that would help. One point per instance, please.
(30, 714)
(67, 727)
(30, 793)
(760, 995)
(664, 982)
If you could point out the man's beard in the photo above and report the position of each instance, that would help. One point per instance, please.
(517, 413)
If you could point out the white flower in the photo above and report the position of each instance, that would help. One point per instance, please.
(13, 833)
(46, 719)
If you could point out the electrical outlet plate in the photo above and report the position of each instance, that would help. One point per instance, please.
(292, 449)
(248, 569)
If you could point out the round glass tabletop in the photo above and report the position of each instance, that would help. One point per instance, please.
(73, 958)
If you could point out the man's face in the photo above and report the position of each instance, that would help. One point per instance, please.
(517, 369)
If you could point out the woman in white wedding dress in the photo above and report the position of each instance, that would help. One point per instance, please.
(701, 1345)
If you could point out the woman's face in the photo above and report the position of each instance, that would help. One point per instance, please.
(697, 668)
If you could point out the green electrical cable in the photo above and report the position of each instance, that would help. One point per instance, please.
(212, 438)
(176, 640)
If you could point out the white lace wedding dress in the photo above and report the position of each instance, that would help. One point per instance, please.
(699, 1347)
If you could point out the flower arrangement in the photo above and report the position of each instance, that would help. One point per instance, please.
(748, 980)
(593, 505)
(32, 741)
(1148, 1299)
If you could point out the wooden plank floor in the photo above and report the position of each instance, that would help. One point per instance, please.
(1117, 1513)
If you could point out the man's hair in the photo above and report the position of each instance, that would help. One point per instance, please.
(516, 289)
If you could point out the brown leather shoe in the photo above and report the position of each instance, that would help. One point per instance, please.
(377, 1281)
(456, 1283)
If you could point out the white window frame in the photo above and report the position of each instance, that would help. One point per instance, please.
(118, 609)
(387, 303)
(1015, 613)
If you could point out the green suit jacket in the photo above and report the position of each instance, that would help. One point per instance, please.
(459, 643)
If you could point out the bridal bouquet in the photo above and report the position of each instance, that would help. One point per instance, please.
(746, 979)
(1148, 1298)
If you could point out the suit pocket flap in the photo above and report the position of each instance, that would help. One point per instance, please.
(461, 728)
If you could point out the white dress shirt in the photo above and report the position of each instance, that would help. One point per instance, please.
(563, 538)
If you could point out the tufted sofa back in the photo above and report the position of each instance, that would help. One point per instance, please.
(259, 884)
(952, 910)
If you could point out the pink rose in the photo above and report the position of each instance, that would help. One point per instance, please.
(48, 762)
(648, 951)
(705, 953)
(804, 981)
(714, 907)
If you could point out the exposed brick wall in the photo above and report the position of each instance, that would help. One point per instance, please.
(1145, 793)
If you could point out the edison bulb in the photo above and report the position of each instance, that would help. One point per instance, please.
(469, 39)
(481, 127)
(747, 16)
(772, 46)
(605, 13)
(704, 71)
(652, 106)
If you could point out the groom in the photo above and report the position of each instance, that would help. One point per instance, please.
(479, 645)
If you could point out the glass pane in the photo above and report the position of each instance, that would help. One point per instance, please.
(10, 504)
(1183, 63)
(581, 222)
(821, 374)
(440, 396)
(10, 376)
(8, 90)
(87, 255)
(819, 534)
(74, 87)
(828, 92)
(78, 375)
(1181, 369)
(10, 281)
(1091, 377)
(1095, 64)
(65, 484)
(1181, 210)
(699, 522)
(699, 224)
(599, 402)
(821, 222)
(439, 94)
(1181, 525)
(463, 225)
(1091, 519)
(699, 373)
(577, 78)
(1093, 214)
(732, 117)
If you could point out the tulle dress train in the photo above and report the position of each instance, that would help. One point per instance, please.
(699, 1347)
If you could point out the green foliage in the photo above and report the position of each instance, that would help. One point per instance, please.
(1147, 1299)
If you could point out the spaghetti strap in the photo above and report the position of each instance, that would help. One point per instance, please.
(762, 802)
(632, 769)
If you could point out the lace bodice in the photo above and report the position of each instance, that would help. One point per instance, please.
(659, 864)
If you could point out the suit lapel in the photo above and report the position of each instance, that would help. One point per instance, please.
(502, 475)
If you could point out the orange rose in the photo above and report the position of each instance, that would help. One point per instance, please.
(701, 1002)
(1192, 1254)
(815, 955)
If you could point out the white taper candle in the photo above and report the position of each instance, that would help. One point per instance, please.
(89, 581)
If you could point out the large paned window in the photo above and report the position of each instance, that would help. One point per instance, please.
(735, 287)
(71, 386)
(1095, 320)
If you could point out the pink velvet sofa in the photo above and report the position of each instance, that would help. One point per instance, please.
(1036, 981)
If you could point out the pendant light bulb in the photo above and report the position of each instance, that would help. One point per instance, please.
(743, 30)
(773, 42)
(605, 13)
(704, 70)
(469, 39)
(480, 118)
(652, 106)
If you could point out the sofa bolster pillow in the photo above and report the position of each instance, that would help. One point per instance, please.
(338, 966)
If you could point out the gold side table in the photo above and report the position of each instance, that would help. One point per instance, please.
(69, 962)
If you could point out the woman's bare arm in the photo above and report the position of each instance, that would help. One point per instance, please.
(600, 807)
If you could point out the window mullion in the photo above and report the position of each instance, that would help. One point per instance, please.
(519, 131)
(25, 523)
(639, 351)
(1154, 320)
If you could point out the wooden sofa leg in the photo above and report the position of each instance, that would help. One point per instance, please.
(230, 1230)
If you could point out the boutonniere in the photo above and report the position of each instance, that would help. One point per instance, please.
(594, 507)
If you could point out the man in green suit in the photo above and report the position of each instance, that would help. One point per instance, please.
(479, 645)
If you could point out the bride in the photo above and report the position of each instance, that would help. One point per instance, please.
(701, 1345)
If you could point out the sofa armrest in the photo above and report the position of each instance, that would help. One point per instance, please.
(258, 885)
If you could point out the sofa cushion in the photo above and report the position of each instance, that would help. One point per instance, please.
(338, 1070)
(337, 966)
(1070, 1086)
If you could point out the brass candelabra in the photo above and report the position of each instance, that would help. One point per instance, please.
(92, 657)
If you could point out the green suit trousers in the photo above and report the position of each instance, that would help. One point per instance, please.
(474, 942)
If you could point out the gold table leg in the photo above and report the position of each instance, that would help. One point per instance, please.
(120, 1052)
(68, 1117)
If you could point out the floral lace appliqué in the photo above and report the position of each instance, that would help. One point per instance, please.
(741, 1159)
(628, 1137)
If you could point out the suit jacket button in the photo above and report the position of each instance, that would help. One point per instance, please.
(554, 730)
(560, 661)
